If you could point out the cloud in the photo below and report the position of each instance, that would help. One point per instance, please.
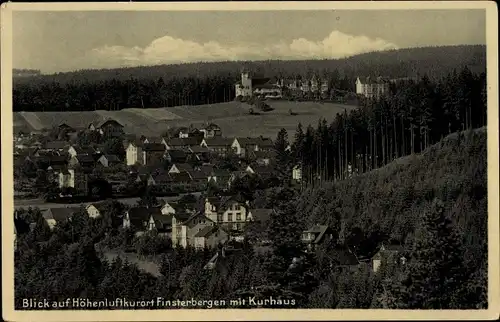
(169, 50)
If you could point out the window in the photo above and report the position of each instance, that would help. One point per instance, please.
(219, 218)
(229, 217)
(238, 217)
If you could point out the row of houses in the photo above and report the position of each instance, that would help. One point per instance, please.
(220, 219)
(369, 87)
(149, 149)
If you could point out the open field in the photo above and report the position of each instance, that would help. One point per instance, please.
(232, 117)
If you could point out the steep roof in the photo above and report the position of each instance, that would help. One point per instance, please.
(183, 167)
(320, 230)
(373, 80)
(259, 141)
(139, 215)
(177, 155)
(84, 159)
(192, 140)
(175, 142)
(112, 158)
(59, 213)
(181, 177)
(207, 231)
(218, 141)
(109, 122)
(198, 149)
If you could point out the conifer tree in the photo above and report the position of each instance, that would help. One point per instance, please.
(435, 272)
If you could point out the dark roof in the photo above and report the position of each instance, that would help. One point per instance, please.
(139, 215)
(161, 219)
(198, 175)
(182, 216)
(260, 81)
(263, 154)
(183, 177)
(192, 140)
(177, 155)
(259, 141)
(259, 169)
(56, 145)
(112, 158)
(83, 150)
(84, 158)
(153, 147)
(57, 160)
(175, 142)
(373, 80)
(207, 231)
(212, 127)
(59, 214)
(221, 173)
(109, 122)
(183, 167)
(162, 178)
(261, 214)
(198, 149)
(320, 230)
(154, 139)
(206, 169)
(218, 141)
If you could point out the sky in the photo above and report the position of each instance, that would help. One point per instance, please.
(71, 40)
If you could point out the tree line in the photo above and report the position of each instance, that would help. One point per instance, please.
(207, 83)
(413, 116)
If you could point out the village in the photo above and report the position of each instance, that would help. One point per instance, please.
(200, 163)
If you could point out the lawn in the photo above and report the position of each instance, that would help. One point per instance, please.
(233, 118)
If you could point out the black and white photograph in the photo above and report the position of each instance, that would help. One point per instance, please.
(227, 157)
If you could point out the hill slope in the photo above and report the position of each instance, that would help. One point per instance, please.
(233, 118)
(391, 200)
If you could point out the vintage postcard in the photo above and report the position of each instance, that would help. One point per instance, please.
(250, 161)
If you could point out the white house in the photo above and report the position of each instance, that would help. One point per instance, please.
(93, 211)
(297, 173)
(227, 212)
(372, 87)
(134, 153)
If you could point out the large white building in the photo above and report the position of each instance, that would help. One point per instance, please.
(249, 86)
(372, 87)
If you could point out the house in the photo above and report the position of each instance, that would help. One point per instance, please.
(76, 150)
(138, 218)
(236, 175)
(228, 212)
(58, 215)
(316, 235)
(185, 226)
(134, 153)
(210, 237)
(182, 178)
(159, 179)
(73, 178)
(84, 161)
(174, 143)
(388, 252)
(168, 208)
(109, 160)
(244, 146)
(152, 153)
(259, 215)
(58, 146)
(66, 127)
(262, 158)
(177, 156)
(220, 177)
(110, 127)
(218, 145)
(152, 139)
(211, 130)
(56, 163)
(297, 173)
(160, 223)
(251, 85)
(264, 172)
(94, 210)
(181, 167)
(341, 256)
(372, 87)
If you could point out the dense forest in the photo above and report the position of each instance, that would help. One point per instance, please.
(206, 83)
(412, 117)
(433, 203)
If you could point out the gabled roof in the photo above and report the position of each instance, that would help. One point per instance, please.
(262, 154)
(153, 147)
(259, 141)
(59, 213)
(109, 122)
(154, 139)
(139, 215)
(177, 155)
(83, 150)
(162, 178)
(183, 167)
(161, 220)
(198, 149)
(218, 142)
(319, 230)
(57, 160)
(181, 177)
(207, 231)
(178, 142)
